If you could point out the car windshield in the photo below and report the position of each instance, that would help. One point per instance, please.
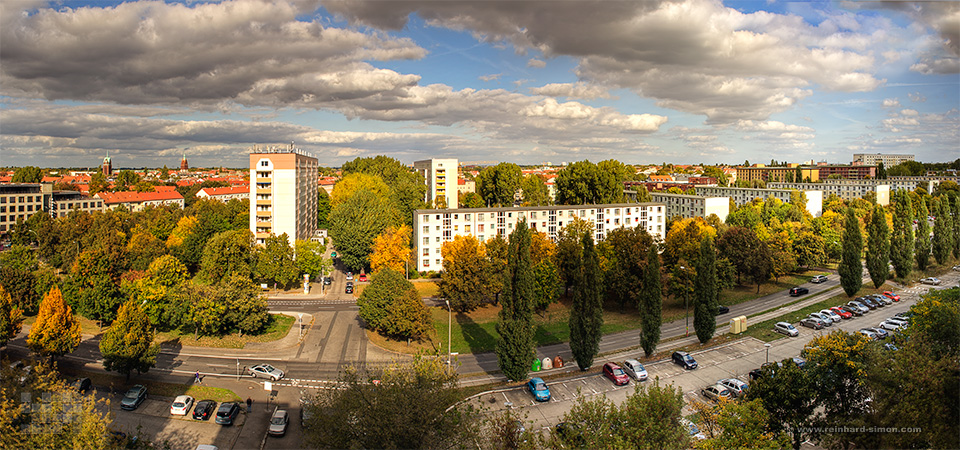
(618, 371)
(540, 386)
(639, 367)
(688, 358)
(133, 393)
(277, 420)
(268, 368)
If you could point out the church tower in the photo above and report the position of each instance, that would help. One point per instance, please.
(183, 164)
(106, 168)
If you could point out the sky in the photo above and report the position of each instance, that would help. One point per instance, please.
(528, 82)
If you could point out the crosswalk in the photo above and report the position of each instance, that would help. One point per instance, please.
(310, 302)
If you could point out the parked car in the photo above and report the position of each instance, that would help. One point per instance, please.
(348, 289)
(860, 306)
(899, 321)
(327, 281)
(890, 325)
(882, 300)
(266, 371)
(798, 291)
(800, 362)
(683, 359)
(931, 280)
(841, 312)
(868, 333)
(615, 374)
(824, 317)
(891, 296)
(812, 322)
(868, 302)
(539, 389)
(204, 409)
(636, 370)
(362, 278)
(852, 310)
(278, 423)
(832, 315)
(181, 405)
(818, 279)
(890, 347)
(227, 413)
(757, 373)
(716, 392)
(133, 398)
(81, 385)
(692, 430)
(736, 386)
(786, 328)
(349, 276)
(880, 332)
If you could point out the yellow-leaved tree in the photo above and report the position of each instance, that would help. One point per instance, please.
(55, 332)
(391, 249)
(11, 318)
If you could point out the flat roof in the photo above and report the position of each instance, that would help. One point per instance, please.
(534, 208)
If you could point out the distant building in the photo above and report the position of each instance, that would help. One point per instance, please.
(107, 167)
(762, 173)
(136, 201)
(440, 176)
(845, 189)
(888, 159)
(63, 202)
(20, 201)
(846, 172)
(466, 186)
(184, 167)
(225, 194)
(687, 206)
(433, 227)
(283, 194)
(746, 195)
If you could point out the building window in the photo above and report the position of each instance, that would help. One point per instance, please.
(480, 228)
(264, 163)
(426, 218)
(426, 263)
(438, 262)
(467, 217)
(466, 228)
(426, 251)
(426, 241)
(426, 229)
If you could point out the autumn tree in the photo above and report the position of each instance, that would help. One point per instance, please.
(955, 211)
(737, 244)
(466, 274)
(651, 303)
(93, 284)
(570, 249)
(741, 425)
(392, 306)
(921, 244)
(226, 253)
(310, 258)
(206, 311)
(535, 192)
(586, 314)
(128, 344)
(273, 262)
(850, 268)
(942, 230)
(781, 254)
(514, 345)
(705, 293)
(55, 332)
(27, 174)
(901, 238)
(878, 246)
(407, 188)
(11, 318)
(790, 398)
(356, 222)
(498, 184)
(392, 249)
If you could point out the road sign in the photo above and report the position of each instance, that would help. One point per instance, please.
(267, 386)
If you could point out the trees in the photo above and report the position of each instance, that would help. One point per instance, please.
(570, 248)
(781, 254)
(392, 249)
(323, 209)
(878, 246)
(535, 192)
(942, 230)
(651, 303)
(586, 315)
(759, 264)
(809, 249)
(55, 332)
(737, 243)
(391, 306)
(27, 174)
(739, 424)
(11, 318)
(226, 253)
(310, 258)
(850, 268)
(901, 238)
(955, 211)
(625, 270)
(356, 222)
(705, 292)
(515, 325)
(466, 274)
(128, 344)
(498, 185)
(922, 243)
(586, 183)
(246, 307)
(789, 397)
(407, 189)
(273, 262)
(836, 363)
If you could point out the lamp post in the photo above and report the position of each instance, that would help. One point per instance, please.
(768, 351)
(449, 330)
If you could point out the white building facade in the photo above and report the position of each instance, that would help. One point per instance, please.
(283, 193)
(433, 227)
(746, 195)
(888, 159)
(687, 206)
(441, 178)
(845, 189)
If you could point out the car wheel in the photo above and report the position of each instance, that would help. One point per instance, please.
(272, 378)
(253, 374)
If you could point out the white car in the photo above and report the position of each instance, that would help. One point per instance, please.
(266, 371)
(634, 369)
(786, 328)
(931, 280)
(833, 316)
(349, 276)
(819, 279)
(181, 405)
(736, 386)
(889, 325)
(899, 321)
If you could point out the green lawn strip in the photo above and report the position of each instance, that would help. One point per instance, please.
(278, 327)
(764, 330)
(117, 383)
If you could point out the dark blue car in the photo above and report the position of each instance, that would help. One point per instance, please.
(539, 389)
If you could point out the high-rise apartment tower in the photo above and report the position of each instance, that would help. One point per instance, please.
(283, 193)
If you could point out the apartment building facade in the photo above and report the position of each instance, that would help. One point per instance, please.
(790, 172)
(63, 202)
(20, 201)
(852, 172)
(746, 195)
(845, 189)
(888, 159)
(687, 206)
(225, 194)
(136, 201)
(283, 193)
(440, 175)
(433, 227)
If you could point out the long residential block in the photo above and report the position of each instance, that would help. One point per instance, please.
(688, 206)
(746, 195)
(845, 189)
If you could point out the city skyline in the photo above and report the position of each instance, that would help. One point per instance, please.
(692, 81)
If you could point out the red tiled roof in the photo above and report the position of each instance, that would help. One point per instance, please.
(164, 188)
(6, 179)
(137, 197)
(232, 190)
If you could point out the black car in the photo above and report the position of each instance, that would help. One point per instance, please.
(868, 302)
(133, 398)
(683, 359)
(327, 281)
(722, 310)
(757, 373)
(798, 291)
(82, 385)
(204, 409)
(348, 289)
(227, 413)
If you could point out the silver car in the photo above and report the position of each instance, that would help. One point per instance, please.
(890, 325)
(786, 328)
(823, 317)
(716, 392)
(278, 423)
(832, 315)
(863, 308)
(736, 386)
(266, 371)
(931, 280)
(634, 369)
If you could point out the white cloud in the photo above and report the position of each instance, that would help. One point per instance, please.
(579, 90)
(891, 103)
(917, 97)
(491, 77)
(536, 63)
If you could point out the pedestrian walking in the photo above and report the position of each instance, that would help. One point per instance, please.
(196, 377)
(249, 404)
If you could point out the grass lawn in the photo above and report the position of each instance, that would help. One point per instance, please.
(425, 288)
(933, 270)
(87, 326)
(764, 330)
(117, 383)
(276, 329)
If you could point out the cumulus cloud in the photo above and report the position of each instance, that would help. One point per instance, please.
(578, 90)
(491, 77)
(536, 63)
(940, 55)
(891, 103)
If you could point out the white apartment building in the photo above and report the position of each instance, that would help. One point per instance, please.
(441, 178)
(225, 194)
(687, 206)
(845, 189)
(433, 227)
(746, 195)
(888, 159)
(283, 193)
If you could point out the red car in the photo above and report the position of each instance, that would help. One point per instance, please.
(891, 296)
(840, 312)
(363, 277)
(615, 374)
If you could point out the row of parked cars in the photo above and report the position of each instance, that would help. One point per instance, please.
(225, 415)
(619, 374)
(855, 308)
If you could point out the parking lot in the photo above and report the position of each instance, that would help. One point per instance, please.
(181, 432)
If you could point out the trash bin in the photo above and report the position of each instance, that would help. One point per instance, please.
(536, 366)
(557, 362)
(547, 363)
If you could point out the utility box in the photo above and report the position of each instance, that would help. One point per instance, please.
(738, 325)
(546, 364)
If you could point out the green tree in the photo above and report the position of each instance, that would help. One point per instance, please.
(227, 253)
(206, 311)
(705, 292)
(836, 363)
(586, 314)
(850, 268)
(901, 238)
(96, 292)
(323, 209)
(55, 332)
(878, 246)
(790, 398)
(547, 286)
(737, 244)
(942, 230)
(955, 211)
(781, 254)
(759, 265)
(570, 249)
(126, 179)
(922, 243)
(356, 222)
(407, 189)
(651, 303)
(27, 174)
(498, 184)
(246, 307)
(98, 183)
(881, 171)
(128, 344)
(809, 249)
(514, 347)
(11, 318)
(471, 200)
(364, 413)
(274, 264)
(310, 258)
(535, 192)
(143, 248)
(19, 283)
(392, 306)
(467, 274)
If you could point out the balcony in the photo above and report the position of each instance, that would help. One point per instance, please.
(267, 202)
(264, 179)
(264, 191)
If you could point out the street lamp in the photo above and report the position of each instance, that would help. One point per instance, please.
(449, 330)
(768, 351)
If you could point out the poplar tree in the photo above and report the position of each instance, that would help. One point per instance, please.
(955, 210)
(11, 318)
(851, 269)
(901, 239)
(878, 246)
(942, 230)
(586, 316)
(922, 240)
(55, 332)
(514, 347)
(128, 344)
(651, 303)
(705, 295)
